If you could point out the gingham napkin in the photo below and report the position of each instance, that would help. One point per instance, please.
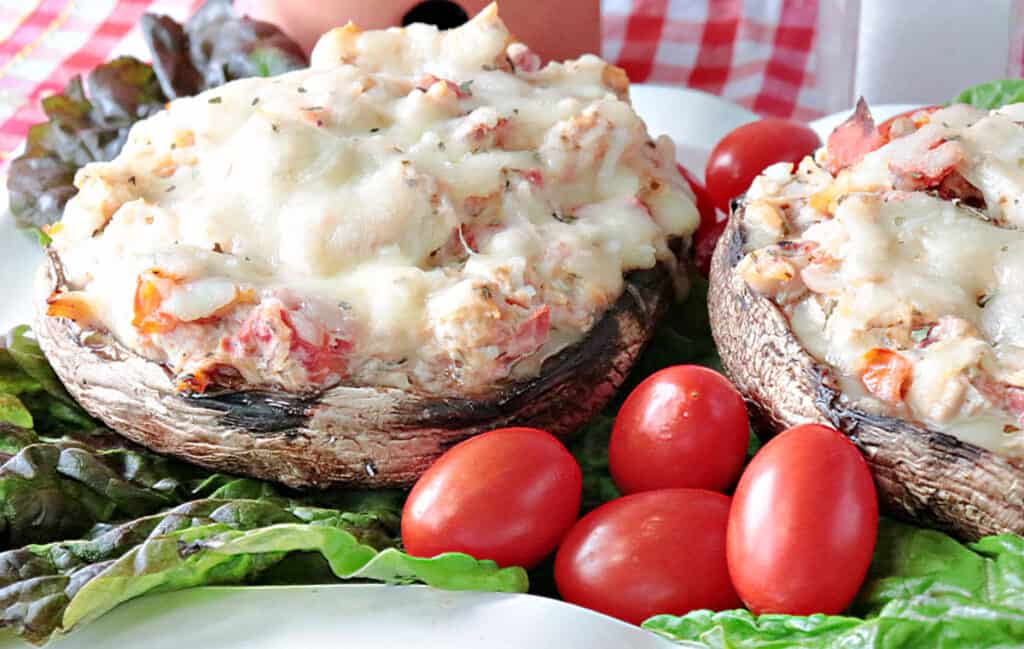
(43, 43)
(758, 54)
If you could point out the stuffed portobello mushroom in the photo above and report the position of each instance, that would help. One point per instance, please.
(879, 288)
(332, 275)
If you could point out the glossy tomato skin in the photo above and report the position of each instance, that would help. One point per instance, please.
(704, 241)
(509, 495)
(649, 553)
(803, 524)
(712, 224)
(744, 152)
(683, 426)
(705, 207)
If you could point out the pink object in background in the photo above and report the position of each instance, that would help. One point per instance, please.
(555, 30)
(765, 55)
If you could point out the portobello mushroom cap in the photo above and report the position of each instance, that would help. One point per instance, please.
(343, 435)
(922, 475)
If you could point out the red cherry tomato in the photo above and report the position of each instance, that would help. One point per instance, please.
(509, 495)
(803, 523)
(712, 223)
(704, 241)
(705, 207)
(684, 426)
(649, 553)
(742, 154)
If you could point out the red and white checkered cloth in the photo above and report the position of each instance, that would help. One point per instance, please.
(754, 52)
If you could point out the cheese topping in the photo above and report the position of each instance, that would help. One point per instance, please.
(905, 271)
(421, 209)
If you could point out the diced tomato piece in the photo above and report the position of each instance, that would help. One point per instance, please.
(196, 382)
(530, 334)
(886, 374)
(853, 139)
(263, 325)
(467, 236)
(534, 177)
(323, 362)
(712, 223)
(321, 358)
(1009, 397)
(704, 241)
(513, 301)
(255, 329)
(201, 377)
(858, 136)
(152, 287)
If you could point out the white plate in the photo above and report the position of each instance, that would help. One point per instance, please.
(351, 616)
(695, 120)
(20, 255)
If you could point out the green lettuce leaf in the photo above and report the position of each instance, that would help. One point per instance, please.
(215, 46)
(25, 352)
(590, 448)
(26, 374)
(13, 411)
(147, 523)
(90, 121)
(69, 474)
(214, 555)
(13, 439)
(993, 94)
(45, 588)
(14, 380)
(60, 473)
(61, 488)
(86, 122)
(924, 589)
(224, 45)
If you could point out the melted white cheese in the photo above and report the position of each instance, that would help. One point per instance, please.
(931, 279)
(450, 208)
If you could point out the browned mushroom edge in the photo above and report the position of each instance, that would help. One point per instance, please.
(344, 435)
(922, 475)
